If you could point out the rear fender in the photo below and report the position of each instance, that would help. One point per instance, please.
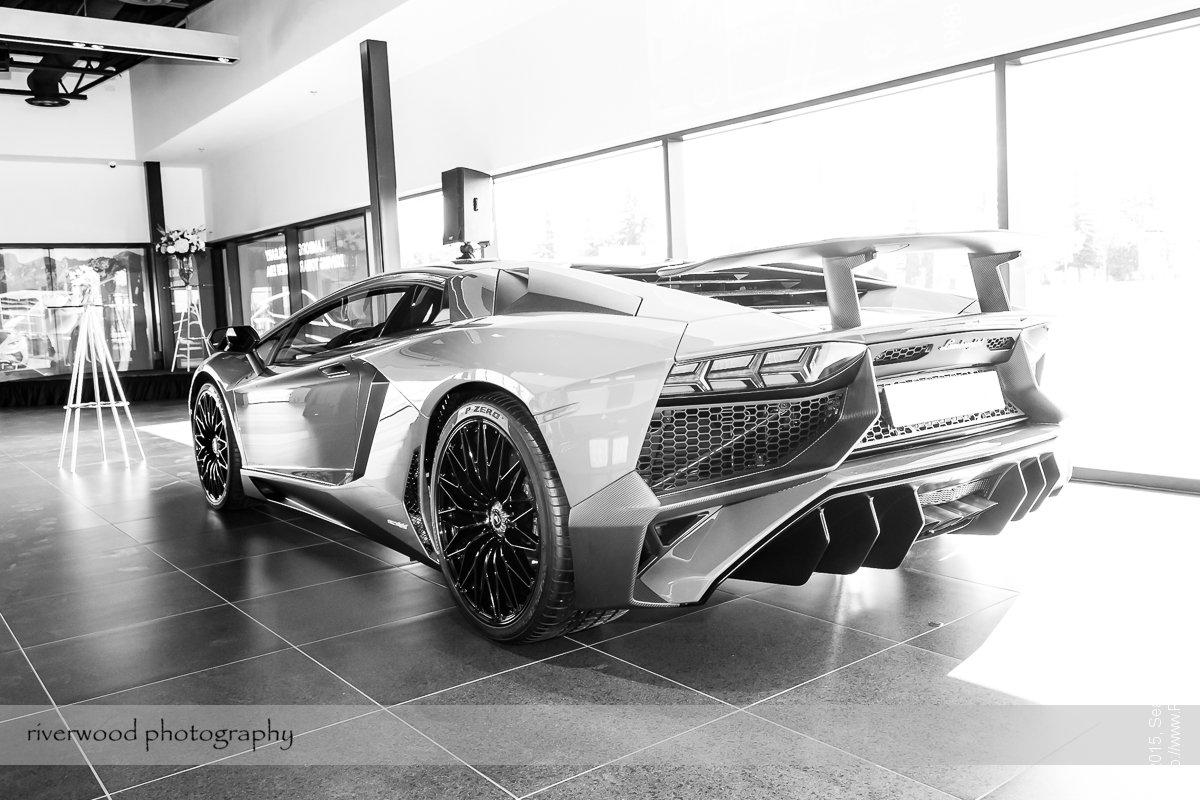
(591, 381)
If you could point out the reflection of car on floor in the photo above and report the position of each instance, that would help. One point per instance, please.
(37, 334)
(565, 443)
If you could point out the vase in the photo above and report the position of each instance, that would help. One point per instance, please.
(185, 266)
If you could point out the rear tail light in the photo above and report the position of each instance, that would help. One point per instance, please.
(769, 369)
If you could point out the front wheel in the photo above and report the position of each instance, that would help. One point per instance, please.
(217, 458)
(499, 513)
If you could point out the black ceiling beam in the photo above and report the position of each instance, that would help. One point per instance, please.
(164, 16)
(72, 70)
(27, 93)
(92, 84)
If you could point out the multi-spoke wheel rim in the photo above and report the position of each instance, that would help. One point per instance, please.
(487, 523)
(212, 446)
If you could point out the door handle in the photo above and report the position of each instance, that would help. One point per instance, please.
(335, 371)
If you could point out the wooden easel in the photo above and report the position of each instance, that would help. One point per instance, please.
(91, 347)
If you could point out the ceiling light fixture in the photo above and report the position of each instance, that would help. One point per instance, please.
(48, 101)
(93, 33)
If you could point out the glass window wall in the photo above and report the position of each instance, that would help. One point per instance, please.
(610, 209)
(918, 160)
(332, 256)
(1104, 167)
(420, 222)
(43, 293)
(266, 296)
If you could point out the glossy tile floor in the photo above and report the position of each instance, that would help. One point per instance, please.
(120, 587)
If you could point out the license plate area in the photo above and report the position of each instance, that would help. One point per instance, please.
(946, 397)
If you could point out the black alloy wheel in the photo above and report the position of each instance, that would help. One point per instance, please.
(488, 516)
(217, 459)
(499, 516)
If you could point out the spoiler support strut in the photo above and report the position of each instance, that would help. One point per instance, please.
(840, 289)
(989, 286)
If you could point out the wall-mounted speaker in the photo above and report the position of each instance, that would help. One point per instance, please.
(467, 206)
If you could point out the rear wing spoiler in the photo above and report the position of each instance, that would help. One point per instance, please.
(987, 251)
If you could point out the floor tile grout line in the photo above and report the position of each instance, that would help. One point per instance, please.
(888, 638)
(956, 620)
(239, 558)
(54, 703)
(663, 677)
(226, 664)
(124, 627)
(281, 591)
(134, 543)
(344, 680)
(89, 700)
(855, 756)
(612, 761)
(446, 750)
(413, 618)
(828, 621)
(903, 643)
(697, 610)
(268, 745)
(963, 580)
(294, 524)
(819, 677)
(1041, 762)
(413, 700)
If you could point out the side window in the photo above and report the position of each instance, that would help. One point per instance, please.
(349, 320)
(426, 308)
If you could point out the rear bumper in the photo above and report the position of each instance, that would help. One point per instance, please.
(866, 512)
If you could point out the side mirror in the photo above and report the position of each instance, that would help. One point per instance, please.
(237, 339)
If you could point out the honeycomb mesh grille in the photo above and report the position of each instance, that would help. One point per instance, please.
(688, 446)
(899, 355)
(883, 432)
(950, 493)
(1001, 343)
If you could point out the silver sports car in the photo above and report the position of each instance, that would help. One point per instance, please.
(565, 443)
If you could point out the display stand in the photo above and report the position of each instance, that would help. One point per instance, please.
(90, 347)
(189, 331)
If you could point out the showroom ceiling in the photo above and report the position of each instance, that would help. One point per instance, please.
(61, 69)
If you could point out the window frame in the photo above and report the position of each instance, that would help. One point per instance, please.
(288, 329)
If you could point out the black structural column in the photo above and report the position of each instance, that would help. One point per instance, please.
(160, 272)
(381, 157)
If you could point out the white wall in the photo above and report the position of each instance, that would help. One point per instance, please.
(316, 168)
(275, 36)
(65, 202)
(55, 182)
(184, 197)
(100, 127)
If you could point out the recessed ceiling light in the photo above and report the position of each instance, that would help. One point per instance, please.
(78, 44)
(48, 101)
(223, 60)
(96, 46)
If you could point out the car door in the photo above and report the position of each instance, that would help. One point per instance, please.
(304, 417)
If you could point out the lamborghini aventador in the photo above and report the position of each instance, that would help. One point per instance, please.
(565, 443)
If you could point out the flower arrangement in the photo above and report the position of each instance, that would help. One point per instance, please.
(181, 241)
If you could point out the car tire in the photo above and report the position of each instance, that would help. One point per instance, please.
(499, 515)
(218, 460)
